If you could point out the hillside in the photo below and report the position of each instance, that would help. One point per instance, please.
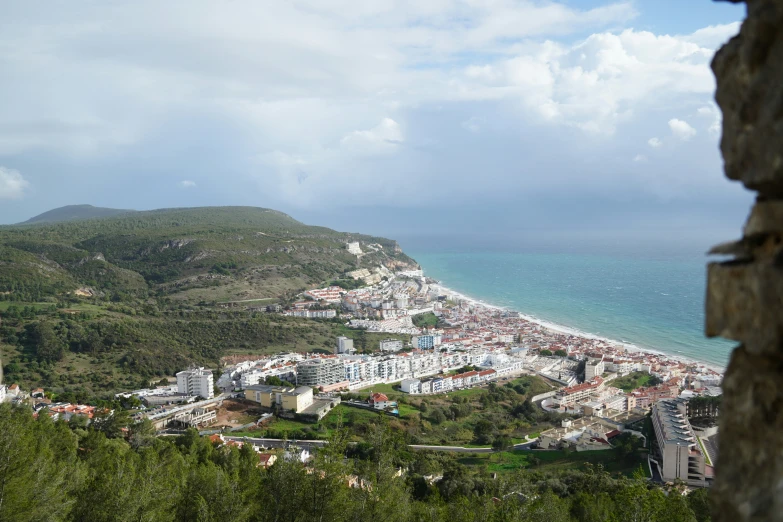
(215, 253)
(75, 212)
(94, 306)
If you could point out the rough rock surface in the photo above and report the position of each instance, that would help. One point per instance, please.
(745, 296)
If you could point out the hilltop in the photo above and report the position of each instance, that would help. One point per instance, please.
(74, 213)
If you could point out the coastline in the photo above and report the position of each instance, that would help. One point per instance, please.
(566, 330)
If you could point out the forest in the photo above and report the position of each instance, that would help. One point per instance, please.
(117, 470)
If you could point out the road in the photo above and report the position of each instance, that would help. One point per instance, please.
(314, 444)
(456, 449)
(279, 443)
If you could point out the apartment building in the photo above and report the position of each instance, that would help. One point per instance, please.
(196, 382)
(579, 392)
(594, 366)
(345, 345)
(320, 372)
(281, 397)
(681, 454)
(391, 345)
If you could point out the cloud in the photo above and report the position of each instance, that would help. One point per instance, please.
(383, 138)
(712, 112)
(640, 158)
(187, 184)
(315, 99)
(681, 129)
(12, 184)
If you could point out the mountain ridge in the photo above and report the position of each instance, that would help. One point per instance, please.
(214, 253)
(74, 213)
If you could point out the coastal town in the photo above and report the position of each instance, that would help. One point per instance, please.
(462, 344)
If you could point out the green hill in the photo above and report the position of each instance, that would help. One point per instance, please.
(75, 212)
(94, 306)
(212, 253)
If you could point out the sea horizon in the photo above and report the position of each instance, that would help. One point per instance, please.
(653, 304)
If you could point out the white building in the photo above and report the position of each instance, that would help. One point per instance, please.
(2, 392)
(594, 367)
(313, 314)
(354, 248)
(196, 382)
(391, 345)
(681, 454)
(345, 345)
(412, 386)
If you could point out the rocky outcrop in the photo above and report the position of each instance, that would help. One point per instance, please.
(745, 295)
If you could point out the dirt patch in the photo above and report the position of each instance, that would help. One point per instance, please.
(237, 412)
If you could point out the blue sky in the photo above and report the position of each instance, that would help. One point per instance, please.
(401, 118)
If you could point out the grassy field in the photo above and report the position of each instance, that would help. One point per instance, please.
(507, 461)
(386, 388)
(635, 380)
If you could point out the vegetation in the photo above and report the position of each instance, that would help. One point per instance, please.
(91, 307)
(492, 416)
(635, 380)
(425, 320)
(60, 472)
(703, 411)
(233, 252)
(96, 350)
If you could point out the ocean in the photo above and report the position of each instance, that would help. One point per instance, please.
(652, 301)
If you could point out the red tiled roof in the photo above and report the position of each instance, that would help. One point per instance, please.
(379, 397)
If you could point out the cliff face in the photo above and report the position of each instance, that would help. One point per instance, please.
(745, 296)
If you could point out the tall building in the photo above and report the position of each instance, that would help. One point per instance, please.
(424, 342)
(197, 381)
(345, 345)
(320, 372)
(594, 367)
(681, 454)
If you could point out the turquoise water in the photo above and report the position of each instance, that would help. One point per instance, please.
(652, 303)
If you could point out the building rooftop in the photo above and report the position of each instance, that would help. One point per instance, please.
(676, 428)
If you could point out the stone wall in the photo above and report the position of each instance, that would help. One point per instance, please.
(745, 295)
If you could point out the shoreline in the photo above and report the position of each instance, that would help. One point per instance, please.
(567, 330)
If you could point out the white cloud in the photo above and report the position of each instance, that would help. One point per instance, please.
(713, 36)
(187, 184)
(640, 158)
(598, 83)
(681, 129)
(320, 95)
(383, 138)
(12, 184)
(712, 112)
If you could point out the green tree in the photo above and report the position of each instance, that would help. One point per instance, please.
(111, 423)
(43, 338)
(38, 467)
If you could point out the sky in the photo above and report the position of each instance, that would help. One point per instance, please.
(582, 119)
